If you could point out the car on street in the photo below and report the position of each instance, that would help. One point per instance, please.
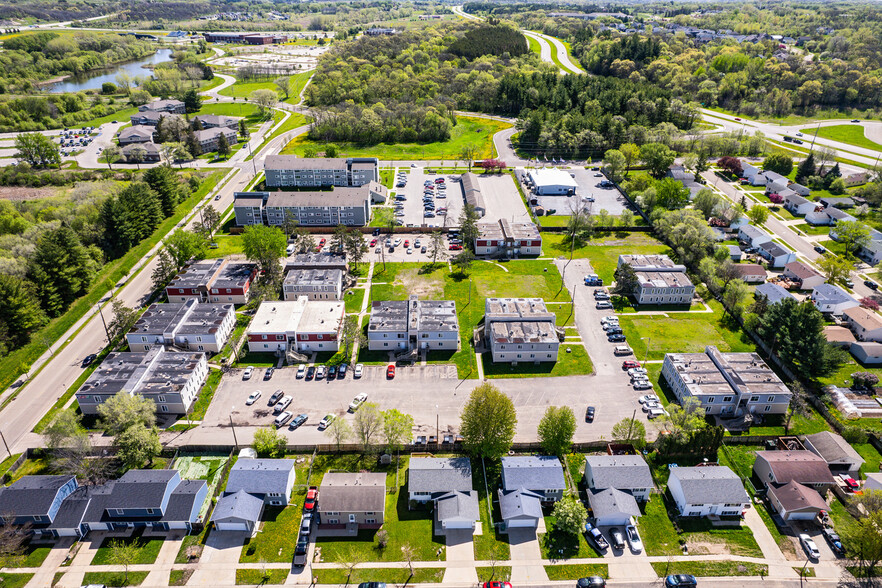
(357, 401)
(252, 398)
(603, 305)
(326, 422)
(246, 375)
(390, 371)
(630, 364)
(634, 541)
(589, 414)
(596, 536)
(833, 540)
(282, 419)
(855, 120)
(820, 249)
(680, 581)
(618, 540)
(320, 372)
(848, 283)
(616, 338)
(496, 585)
(268, 374)
(799, 134)
(310, 373)
(301, 371)
(372, 585)
(283, 403)
(87, 361)
(297, 421)
(591, 582)
(808, 545)
(871, 284)
(312, 496)
(275, 397)
(359, 370)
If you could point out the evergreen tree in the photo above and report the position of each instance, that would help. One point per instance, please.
(163, 180)
(20, 309)
(61, 269)
(192, 101)
(223, 146)
(193, 145)
(197, 125)
(130, 217)
(806, 168)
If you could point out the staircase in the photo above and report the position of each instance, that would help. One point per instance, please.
(293, 357)
(407, 355)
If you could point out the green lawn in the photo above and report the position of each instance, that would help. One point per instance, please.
(576, 465)
(7, 463)
(576, 571)
(555, 220)
(853, 134)
(738, 540)
(490, 573)
(33, 466)
(469, 130)
(399, 576)
(257, 360)
(656, 530)
(811, 229)
(739, 458)
(114, 578)
(33, 558)
(205, 396)
(534, 45)
(490, 543)
(574, 363)
(871, 457)
(244, 89)
(120, 116)
(683, 333)
(260, 577)
(353, 299)
(189, 541)
(294, 120)
(249, 112)
(704, 569)
(387, 177)
(150, 547)
(555, 545)
(275, 542)
(226, 245)
(14, 580)
(603, 250)
(179, 577)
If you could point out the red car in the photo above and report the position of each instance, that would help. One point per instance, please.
(497, 585)
(373, 242)
(390, 371)
(630, 363)
(455, 247)
(406, 243)
(311, 499)
(737, 119)
(439, 180)
(321, 243)
(850, 482)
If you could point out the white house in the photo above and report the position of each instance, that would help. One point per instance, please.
(832, 299)
(773, 292)
(751, 273)
(612, 508)
(628, 473)
(866, 324)
(798, 271)
(798, 205)
(748, 171)
(873, 481)
(836, 451)
(777, 255)
(871, 252)
(709, 490)
(753, 236)
(867, 353)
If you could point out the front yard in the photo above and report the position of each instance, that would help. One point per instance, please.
(150, 547)
(711, 568)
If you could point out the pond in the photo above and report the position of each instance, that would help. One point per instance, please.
(93, 80)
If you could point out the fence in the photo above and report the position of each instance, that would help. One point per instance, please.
(331, 448)
(15, 465)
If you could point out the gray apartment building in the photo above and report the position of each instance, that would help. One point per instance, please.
(171, 379)
(660, 280)
(285, 171)
(726, 384)
(324, 260)
(520, 330)
(341, 206)
(190, 325)
(315, 284)
(208, 139)
(401, 325)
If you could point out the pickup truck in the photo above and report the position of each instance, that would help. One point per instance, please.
(300, 552)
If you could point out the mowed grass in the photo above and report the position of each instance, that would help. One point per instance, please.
(244, 89)
(389, 575)
(113, 578)
(353, 299)
(490, 544)
(850, 133)
(491, 573)
(555, 545)
(703, 569)
(468, 131)
(576, 571)
(14, 580)
(146, 554)
(260, 577)
(604, 249)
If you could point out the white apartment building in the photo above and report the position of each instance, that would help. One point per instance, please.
(190, 325)
(399, 325)
(660, 280)
(520, 330)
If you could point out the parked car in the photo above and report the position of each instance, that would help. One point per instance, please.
(310, 373)
(341, 371)
(275, 397)
(648, 398)
(655, 412)
(390, 371)
(372, 585)
(850, 482)
(455, 247)
(834, 541)
(680, 581)
(616, 338)
(252, 398)
(283, 403)
(871, 284)
(634, 541)
(359, 370)
(496, 585)
(320, 372)
(87, 361)
(312, 496)
(268, 374)
(332, 372)
(623, 350)
(591, 582)
(614, 331)
(301, 371)
(306, 524)
(246, 375)
(820, 249)
(630, 364)
(357, 401)
(637, 370)
(300, 552)
(297, 421)
(596, 536)
(589, 414)
(601, 304)
(643, 385)
(809, 546)
(282, 419)
(618, 540)
(326, 422)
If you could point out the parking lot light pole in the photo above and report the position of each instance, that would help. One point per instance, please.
(648, 343)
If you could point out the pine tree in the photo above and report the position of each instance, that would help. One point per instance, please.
(223, 146)
(61, 269)
(806, 168)
(163, 180)
(193, 145)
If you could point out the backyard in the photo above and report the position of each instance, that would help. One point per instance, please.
(603, 250)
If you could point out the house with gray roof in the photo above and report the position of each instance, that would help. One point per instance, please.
(611, 507)
(520, 509)
(251, 485)
(136, 134)
(840, 456)
(797, 204)
(35, 500)
(773, 292)
(708, 490)
(541, 474)
(831, 299)
(775, 254)
(237, 511)
(628, 473)
(447, 482)
(456, 511)
(350, 502)
(753, 236)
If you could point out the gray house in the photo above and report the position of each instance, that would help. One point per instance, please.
(238, 511)
(611, 507)
(35, 499)
(447, 482)
(251, 485)
(542, 475)
(840, 456)
(709, 490)
(628, 473)
(520, 509)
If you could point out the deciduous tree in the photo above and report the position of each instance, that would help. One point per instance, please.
(138, 445)
(779, 162)
(368, 424)
(852, 234)
(110, 155)
(268, 442)
(125, 553)
(122, 411)
(569, 515)
(488, 422)
(339, 432)
(37, 149)
(556, 430)
(265, 246)
(630, 431)
(758, 214)
(265, 100)
(397, 429)
(657, 157)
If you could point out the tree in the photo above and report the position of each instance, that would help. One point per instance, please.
(268, 442)
(779, 162)
(684, 418)
(339, 431)
(209, 222)
(338, 239)
(488, 422)
(397, 428)
(671, 194)
(243, 131)
(408, 554)
(707, 202)
(37, 149)
(368, 423)
(626, 218)
(631, 153)
(824, 155)
(265, 100)
(837, 186)
(350, 558)
(179, 249)
(304, 242)
(138, 445)
(436, 245)
(615, 163)
(467, 154)
(61, 268)
(580, 226)
(354, 246)
(462, 261)
(657, 157)
(265, 246)
(468, 226)
(125, 553)
(330, 150)
(556, 430)
(20, 310)
(283, 85)
(123, 411)
(806, 168)
(734, 296)
(852, 234)
(223, 146)
(64, 430)
(626, 280)
(630, 431)
(124, 318)
(350, 335)
(14, 541)
(731, 165)
(835, 268)
(192, 101)
(570, 516)
(758, 214)
(862, 538)
(193, 145)
(687, 233)
(124, 82)
(136, 155)
(110, 155)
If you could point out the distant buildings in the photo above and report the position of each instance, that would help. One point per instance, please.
(137, 134)
(245, 38)
(287, 171)
(209, 139)
(508, 239)
(520, 330)
(173, 106)
(403, 325)
(660, 280)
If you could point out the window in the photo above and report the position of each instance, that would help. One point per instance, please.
(727, 399)
(162, 398)
(144, 339)
(119, 511)
(767, 408)
(707, 409)
(770, 399)
(163, 407)
(370, 521)
(369, 513)
(694, 513)
(332, 513)
(333, 521)
(37, 518)
(710, 399)
(754, 398)
(150, 511)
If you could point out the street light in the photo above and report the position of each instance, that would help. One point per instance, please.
(235, 441)
(648, 343)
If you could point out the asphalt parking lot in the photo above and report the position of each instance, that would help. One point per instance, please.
(400, 253)
(414, 213)
(609, 199)
(502, 199)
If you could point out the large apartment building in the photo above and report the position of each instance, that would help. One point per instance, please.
(301, 325)
(315, 284)
(660, 280)
(214, 280)
(726, 384)
(286, 171)
(508, 239)
(189, 325)
(401, 325)
(341, 206)
(171, 379)
(520, 330)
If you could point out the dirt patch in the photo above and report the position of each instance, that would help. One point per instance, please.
(787, 545)
(707, 548)
(22, 193)
(422, 286)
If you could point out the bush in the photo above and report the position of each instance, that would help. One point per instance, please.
(854, 434)
(108, 88)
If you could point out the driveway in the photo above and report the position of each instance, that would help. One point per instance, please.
(221, 553)
(460, 558)
(526, 557)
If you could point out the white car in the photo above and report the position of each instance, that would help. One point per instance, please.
(648, 398)
(648, 406)
(301, 371)
(809, 546)
(359, 370)
(246, 375)
(289, 249)
(416, 243)
(656, 412)
(253, 398)
(326, 422)
(409, 250)
(633, 537)
(637, 371)
(357, 401)
(642, 385)
(283, 403)
(320, 372)
(397, 241)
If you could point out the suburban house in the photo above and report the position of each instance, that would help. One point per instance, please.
(150, 118)
(448, 483)
(138, 134)
(212, 121)
(751, 273)
(840, 456)
(748, 171)
(471, 191)
(793, 501)
(797, 271)
(35, 500)
(840, 336)
(764, 178)
(189, 325)
(726, 384)
(520, 509)
(753, 236)
(341, 206)
(284, 171)
(708, 491)
(781, 467)
(828, 216)
(171, 105)
(552, 182)
(628, 473)
(520, 330)
(508, 239)
(209, 139)
(773, 292)
(798, 205)
(873, 481)
(735, 253)
(659, 279)
(777, 255)
(315, 284)
(838, 202)
(141, 152)
(611, 507)
(866, 324)
(171, 379)
(252, 484)
(413, 324)
(213, 280)
(871, 252)
(686, 178)
(352, 502)
(542, 475)
(867, 353)
(831, 299)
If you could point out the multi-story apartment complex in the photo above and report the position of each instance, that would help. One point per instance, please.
(342, 206)
(208, 139)
(508, 239)
(215, 280)
(315, 284)
(398, 325)
(302, 325)
(211, 121)
(285, 171)
(171, 105)
(171, 379)
(189, 325)
(726, 384)
(520, 330)
(325, 260)
(660, 280)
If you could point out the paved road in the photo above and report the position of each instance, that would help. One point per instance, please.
(562, 55)
(544, 48)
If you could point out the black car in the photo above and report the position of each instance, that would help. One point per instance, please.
(834, 541)
(341, 372)
(591, 582)
(277, 395)
(268, 374)
(820, 249)
(618, 540)
(871, 284)
(372, 585)
(680, 581)
(614, 331)
(310, 373)
(87, 361)
(617, 338)
(589, 415)
(332, 372)
(297, 421)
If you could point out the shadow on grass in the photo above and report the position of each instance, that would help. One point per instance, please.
(560, 545)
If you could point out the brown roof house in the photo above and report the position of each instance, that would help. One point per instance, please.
(866, 324)
(781, 467)
(751, 273)
(793, 501)
(839, 336)
(839, 455)
(351, 502)
(798, 271)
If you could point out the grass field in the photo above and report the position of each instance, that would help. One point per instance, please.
(497, 573)
(490, 543)
(114, 578)
(146, 555)
(711, 568)
(244, 89)
(14, 580)
(604, 249)
(469, 130)
(260, 577)
(851, 133)
(576, 571)
(353, 299)
(399, 576)
(555, 545)
(533, 44)
(294, 120)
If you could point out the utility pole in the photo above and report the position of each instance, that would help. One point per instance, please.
(236, 441)
(4, 444)
(818, 128)
(106, 331)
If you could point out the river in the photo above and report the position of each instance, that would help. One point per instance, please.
(93, 80)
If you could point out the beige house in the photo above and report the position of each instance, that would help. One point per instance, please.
(864, 323)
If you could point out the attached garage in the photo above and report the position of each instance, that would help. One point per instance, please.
(231, 526)
(612, 508)
(796, 502)
(520, 509)
(239, 511)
